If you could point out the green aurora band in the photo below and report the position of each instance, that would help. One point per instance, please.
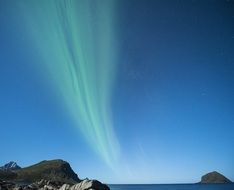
(76, 41)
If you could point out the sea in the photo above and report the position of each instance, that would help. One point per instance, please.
(174, 187)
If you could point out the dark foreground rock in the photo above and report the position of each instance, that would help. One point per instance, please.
(214, 177)
(89, 184)
(54, 185)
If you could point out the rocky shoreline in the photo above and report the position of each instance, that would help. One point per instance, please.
(45, 175)
(54, 185)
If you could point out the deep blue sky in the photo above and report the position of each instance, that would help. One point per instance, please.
(173, 100)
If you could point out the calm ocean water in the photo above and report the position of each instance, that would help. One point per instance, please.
(174, 187)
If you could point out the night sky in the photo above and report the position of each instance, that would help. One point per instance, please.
(154, 83)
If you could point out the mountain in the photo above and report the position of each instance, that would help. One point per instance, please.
(55, 170)
(10, 166)
(214, 177)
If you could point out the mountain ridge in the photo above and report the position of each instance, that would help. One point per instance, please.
(56, 170)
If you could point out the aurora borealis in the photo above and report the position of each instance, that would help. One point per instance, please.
(77, 42)
(126, 91)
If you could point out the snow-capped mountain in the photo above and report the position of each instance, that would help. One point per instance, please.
(10, 166)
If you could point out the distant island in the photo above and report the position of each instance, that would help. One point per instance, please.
(45, 175)
(214, 177)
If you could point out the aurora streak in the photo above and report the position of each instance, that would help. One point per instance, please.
(76, 41)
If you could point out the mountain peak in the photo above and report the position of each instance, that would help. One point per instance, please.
(10, 166)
